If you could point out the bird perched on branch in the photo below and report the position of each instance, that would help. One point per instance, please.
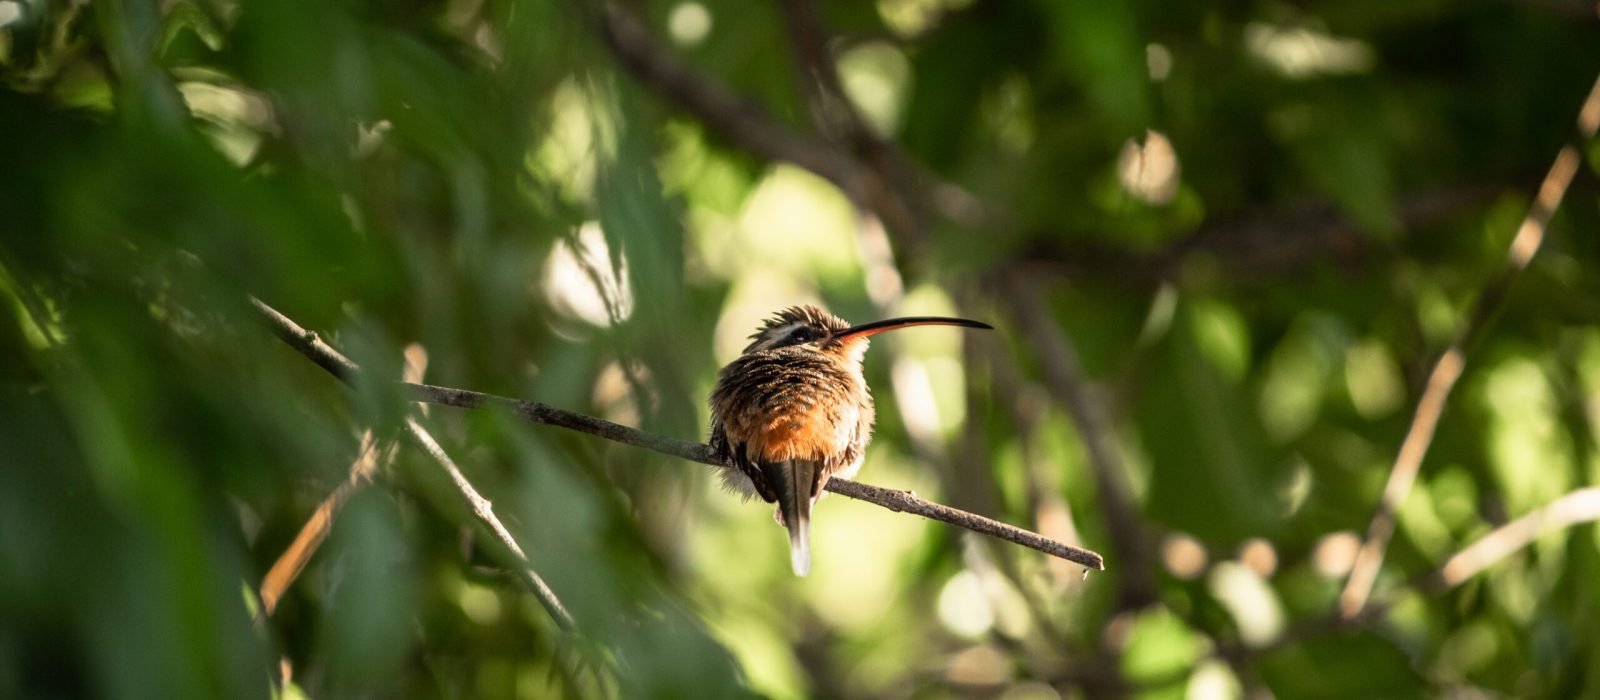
(793, 411)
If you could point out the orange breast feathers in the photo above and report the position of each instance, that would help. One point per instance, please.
(795, 431)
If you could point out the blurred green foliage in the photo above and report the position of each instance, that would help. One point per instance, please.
(1258, 223)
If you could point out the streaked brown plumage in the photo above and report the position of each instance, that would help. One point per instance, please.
(793, 411)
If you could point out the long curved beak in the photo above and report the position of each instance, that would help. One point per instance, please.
(870, 329)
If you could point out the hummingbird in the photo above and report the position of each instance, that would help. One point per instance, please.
(793, 410)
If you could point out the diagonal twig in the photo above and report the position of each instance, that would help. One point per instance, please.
(1448, 368)
(484, 511)
(312, 346)
(288, 566)
(1580, 506)
(369, 459)
(345, 370)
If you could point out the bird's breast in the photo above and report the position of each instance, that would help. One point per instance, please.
(797, 410)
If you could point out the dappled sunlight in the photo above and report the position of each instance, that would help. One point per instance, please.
(876, 77)
(795, 223)
(579, 137)
(910, 18)
(1259, 556)
(860, 555)
(1530, 455)
(1156, 644)
(1149, 169)
(1213, 680)
(1304, 52)
(1158, 59)
(754, 299)
(689, 23)
(963, 608)
(766, 656)
(1373, 379)
(1420, 518)
(1184, 556)
(913, 390)
(1335, 553)
(1236, 259)
(580, 282)
(615, 395)
(479, 603)
(1252, 602)
(241, 116)
(1222, 336)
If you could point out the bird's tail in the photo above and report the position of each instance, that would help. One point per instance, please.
(793, 480)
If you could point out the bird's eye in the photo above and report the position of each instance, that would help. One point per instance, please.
(800, 335)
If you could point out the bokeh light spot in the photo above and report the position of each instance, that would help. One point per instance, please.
(962, 606)
(689, 23)
(1335, 553)
(1258, 555)
(1255, 608)
(580, 282)
(1149, 170)
(1183, 555)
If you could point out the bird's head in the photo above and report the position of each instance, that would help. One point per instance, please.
(812, 327)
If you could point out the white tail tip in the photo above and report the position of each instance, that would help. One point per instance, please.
(800, 555)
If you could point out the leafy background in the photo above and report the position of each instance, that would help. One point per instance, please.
(1222, 243)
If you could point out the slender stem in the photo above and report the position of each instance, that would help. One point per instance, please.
(484, 510)
(1580, 506)
(287, 568)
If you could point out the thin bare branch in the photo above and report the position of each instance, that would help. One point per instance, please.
(1448, 368)
(908, 502)
(484, 511)
(903, 501)
(1578, 507)
(312, 346)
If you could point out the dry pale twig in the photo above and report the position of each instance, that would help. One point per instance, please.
(1450, 364)
(369, 459)
(1580, 506)
(484, 511)
(312, 346)
(308, 344)
(294, 559)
